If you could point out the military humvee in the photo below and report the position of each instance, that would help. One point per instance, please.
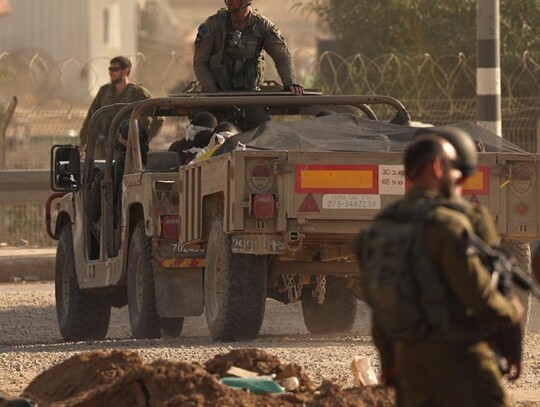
(271, 214)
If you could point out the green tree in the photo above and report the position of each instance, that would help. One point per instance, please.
(415, 27)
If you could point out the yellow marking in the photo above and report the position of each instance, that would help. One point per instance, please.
(356, 179)
(476, 182)
(175, 263)
(505, 183)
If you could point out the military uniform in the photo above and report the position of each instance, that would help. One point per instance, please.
(106, 96)
(535, 265)
(226, 60)
(482, 224)
(481, 221)
(454, 366)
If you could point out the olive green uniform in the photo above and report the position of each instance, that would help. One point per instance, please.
(223, 62)
(456, 367)
(482, 224)
(481, 221)
(106, 96)
(535, 265)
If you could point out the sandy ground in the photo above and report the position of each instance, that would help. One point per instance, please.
(30, 342)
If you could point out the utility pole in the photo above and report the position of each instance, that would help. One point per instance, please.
(488, 66)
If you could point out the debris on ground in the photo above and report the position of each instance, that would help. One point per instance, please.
(121, 378)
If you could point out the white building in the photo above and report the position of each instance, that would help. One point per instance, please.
(74, 40)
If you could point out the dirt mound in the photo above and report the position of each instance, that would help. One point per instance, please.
(120, 378)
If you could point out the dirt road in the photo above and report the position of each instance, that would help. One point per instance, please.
(30, 342)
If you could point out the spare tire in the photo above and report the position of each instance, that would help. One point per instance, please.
(335, 315)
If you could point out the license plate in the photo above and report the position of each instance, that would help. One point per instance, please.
(351, 201)
(258, 244)
(175, 250)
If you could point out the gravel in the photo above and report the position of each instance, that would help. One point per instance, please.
(30, 342)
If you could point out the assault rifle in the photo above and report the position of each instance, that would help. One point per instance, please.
(505, 272)
(504, 268)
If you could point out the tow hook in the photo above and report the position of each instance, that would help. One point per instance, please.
(294, 241)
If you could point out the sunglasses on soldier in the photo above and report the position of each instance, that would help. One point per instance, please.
(455, 164)
(114, 68)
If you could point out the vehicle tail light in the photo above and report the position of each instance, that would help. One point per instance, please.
(170, 227)
(263, 206)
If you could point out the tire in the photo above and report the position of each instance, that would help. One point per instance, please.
(81, 315)
(522, 252)
(172, 327)
(234, 289)
(335, 315)
(143, 318)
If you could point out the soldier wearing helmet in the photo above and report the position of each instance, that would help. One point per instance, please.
(228, 50)
(452, 289)
(467, 161)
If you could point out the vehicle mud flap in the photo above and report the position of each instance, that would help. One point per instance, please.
(179, 292)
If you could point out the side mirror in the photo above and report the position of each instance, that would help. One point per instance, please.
(65, 168)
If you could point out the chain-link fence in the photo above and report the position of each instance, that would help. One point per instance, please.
(441, 90)
(54, 98)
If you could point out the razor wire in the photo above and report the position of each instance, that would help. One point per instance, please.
(54, 96)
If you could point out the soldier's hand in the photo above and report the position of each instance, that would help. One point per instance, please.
(296, 89)
(82, 151)
(514, 371)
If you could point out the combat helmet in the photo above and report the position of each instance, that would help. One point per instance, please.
(466, 148)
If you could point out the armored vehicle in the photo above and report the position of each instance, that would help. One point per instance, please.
(270, 214)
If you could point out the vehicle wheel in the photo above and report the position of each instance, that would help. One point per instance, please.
(143, 318)
(335, 315)
(234, 289)
(172, 327)
(522, 252)
(81, 315)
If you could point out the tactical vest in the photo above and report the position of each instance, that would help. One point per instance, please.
(239, 63)
(108, 96)
(406, 292)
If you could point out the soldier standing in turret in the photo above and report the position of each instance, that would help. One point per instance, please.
(228, 56)
(228, 50)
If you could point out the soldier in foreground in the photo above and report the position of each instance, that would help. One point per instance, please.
(466, 149)
(432, 298)
(119, 90)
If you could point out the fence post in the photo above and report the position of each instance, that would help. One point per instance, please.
(488, 66)
(4, 123)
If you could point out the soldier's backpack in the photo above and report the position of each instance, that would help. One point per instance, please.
(406, 294)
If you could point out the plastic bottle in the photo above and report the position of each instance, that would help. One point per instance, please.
(363, 372)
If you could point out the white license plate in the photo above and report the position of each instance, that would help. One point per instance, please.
(351, 201)
(258, 244)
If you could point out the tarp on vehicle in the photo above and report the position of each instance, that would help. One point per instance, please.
(348, 132)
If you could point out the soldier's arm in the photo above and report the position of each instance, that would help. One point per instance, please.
(467, 276)
(96, 104)
(201, 58)
(484, 226)
(274, 44)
